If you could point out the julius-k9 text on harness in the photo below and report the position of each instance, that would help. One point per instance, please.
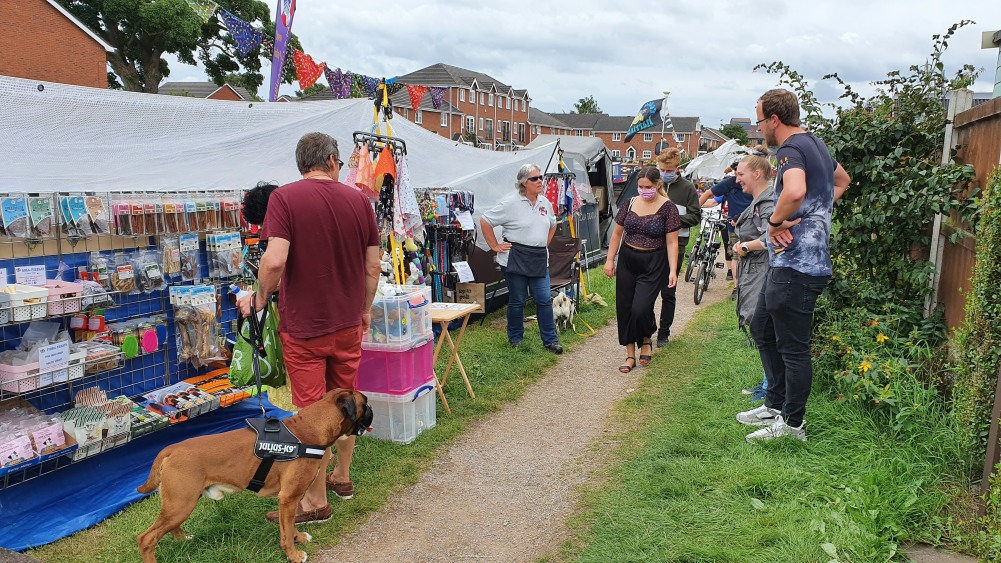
(275, 442)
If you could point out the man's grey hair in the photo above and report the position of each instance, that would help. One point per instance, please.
(524, 172)
(314, 150)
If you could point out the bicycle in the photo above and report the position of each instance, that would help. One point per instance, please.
(703, 258)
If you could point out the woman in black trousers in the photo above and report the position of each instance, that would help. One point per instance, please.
(645, 240)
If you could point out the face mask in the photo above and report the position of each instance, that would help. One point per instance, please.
(668, 177)
(648, 193)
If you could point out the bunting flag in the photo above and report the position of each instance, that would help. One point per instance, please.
(306, 70)
(394, 87)
(369, 84)
(283, 29)
(648, 116)
(204, 8)
(339, 82)
(246, 36)
(437, 96)
(416, 95)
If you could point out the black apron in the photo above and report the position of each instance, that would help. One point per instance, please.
(528, 261)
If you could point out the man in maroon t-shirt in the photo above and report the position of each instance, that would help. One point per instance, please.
(323, 245)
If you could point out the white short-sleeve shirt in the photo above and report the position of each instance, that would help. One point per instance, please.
(521, 221)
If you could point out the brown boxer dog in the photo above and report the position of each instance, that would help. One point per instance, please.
(225, 463)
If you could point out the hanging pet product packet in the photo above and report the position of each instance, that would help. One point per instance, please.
(171, 254)
(188, 245)
(15, 216)
(149, 276)
(196, 324)
(41, 215)
(123, 277)
(73, 209)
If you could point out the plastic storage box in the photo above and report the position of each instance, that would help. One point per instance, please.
(24, 378)
(64, 297)
(401, 418)
(399, 321)
(27, 303)
(395, 372)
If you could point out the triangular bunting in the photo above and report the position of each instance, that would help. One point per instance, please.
(246, 36)
(394, 87)
(416, 95)
(369, 83)
(437, 96)
(306, 70)
(339, 82)
(204, 8)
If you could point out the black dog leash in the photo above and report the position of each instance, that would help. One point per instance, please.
(256, 341)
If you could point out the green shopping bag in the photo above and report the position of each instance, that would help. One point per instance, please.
(241, 369)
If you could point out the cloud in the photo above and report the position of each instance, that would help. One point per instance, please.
(627, 52)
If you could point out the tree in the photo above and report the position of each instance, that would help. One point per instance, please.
(586, 105)
(142, 31)
(737, 132)
(314, 89)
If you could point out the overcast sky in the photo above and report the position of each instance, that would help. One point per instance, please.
(626, 52)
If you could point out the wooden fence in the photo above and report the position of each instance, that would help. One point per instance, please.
(978, 132)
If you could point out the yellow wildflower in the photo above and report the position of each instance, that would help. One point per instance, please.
(874, 322)
(836, 338)
(864, 367)
(881, 338)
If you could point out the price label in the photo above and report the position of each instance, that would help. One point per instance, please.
(29, 275)
(465, 220)
(54, 356)
(464, 271)
(3, 278)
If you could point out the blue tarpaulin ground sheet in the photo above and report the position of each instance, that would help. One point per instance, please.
(73, 498)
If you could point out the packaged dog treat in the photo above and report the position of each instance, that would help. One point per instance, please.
(147, 268)
(73, 209)
(15, 216)
(122, 213)
(153, 213)
(170, 252)
(97, 214)
(138, 210)
(230, 211)
(123, 277)
(100, 269)
(41, 215)
(15, 448)
(196, 324)
(173, 215)
(191, 214)
(188, 245)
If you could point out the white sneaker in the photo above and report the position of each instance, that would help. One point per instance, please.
(761, 416)
(778, 429)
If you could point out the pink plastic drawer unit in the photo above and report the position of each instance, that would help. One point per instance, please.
(64, 296)
(395, 372)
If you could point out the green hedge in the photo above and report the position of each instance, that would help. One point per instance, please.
(978, 341)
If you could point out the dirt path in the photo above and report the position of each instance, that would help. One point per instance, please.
(503, 490)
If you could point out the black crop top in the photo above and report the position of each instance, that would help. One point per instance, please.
(648, 231)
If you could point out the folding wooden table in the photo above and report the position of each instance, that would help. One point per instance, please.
(443, 314)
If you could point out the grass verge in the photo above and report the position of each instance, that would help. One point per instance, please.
(234, 529)
(687, 487)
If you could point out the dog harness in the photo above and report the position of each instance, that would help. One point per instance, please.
(275, 442)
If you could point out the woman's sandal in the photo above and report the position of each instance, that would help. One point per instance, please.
(644, 358)
(626, 368)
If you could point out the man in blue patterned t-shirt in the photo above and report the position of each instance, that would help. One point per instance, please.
(808, 183)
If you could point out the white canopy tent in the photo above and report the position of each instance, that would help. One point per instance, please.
(713, 165)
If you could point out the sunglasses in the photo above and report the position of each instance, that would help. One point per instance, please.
(534, 178)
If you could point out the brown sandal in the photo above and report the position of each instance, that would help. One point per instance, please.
(626, 368)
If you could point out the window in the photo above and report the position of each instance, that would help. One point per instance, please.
(462, 95)
(470, 123)
(647, 155)
(472, 96)
(592, 133)
(521, 132)
(489, 131)
(580, 132)
(444, 119)
(615, 153)
(481, 124)
(418, 117)
(482, 98)
(616, 136)
(507, 103)
(490, 100)
(647, 137)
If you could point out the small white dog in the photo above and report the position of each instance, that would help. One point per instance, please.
(564, 310)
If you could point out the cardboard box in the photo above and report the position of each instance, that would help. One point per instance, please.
(471, 293)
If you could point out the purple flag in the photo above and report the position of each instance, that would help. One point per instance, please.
(437, 96)
(339, 82)
(246, 36)
(283, 29)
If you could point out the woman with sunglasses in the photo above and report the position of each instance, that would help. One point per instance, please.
(528, 224)
(645, 239)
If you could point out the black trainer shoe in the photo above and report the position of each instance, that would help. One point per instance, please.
(514, 343)
(663, 340)
(729, 275)
(555, 348)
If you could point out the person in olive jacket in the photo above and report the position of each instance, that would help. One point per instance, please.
(681, 192)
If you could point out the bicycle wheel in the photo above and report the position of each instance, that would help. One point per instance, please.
(692, 259)
(701, 281)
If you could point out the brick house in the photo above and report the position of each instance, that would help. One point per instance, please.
(612, 129)
(206, 90)
(40, 40)
(542, 123)
(495, 112)
(754, 136)
(711, 140)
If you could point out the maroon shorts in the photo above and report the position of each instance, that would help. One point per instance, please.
(317, 365)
